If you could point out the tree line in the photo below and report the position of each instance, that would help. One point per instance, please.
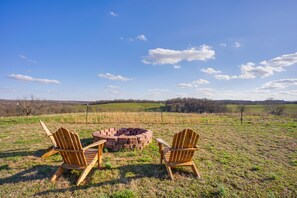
(194, 105)
(32, 106)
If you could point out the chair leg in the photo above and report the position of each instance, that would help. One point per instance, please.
(84, 174)
(194, 168)
(169, 171)
(57, 173)
(87, 170)
(161, 152)
(49, 152)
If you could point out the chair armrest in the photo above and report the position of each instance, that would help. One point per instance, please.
(94, 144)
(159, 140)
(182, 149)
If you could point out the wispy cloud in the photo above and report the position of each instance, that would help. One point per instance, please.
(21, 56)
(195, 83)
(206, 91)
(8, 90)
(112, 87)
(160, 56)
(113, 14)
(141, 37)
(157, 92)
(113, 77)
(263, 69)
(176, 66)
(223, 44)
(31, 79)
(237, 44)
(288, 93)
(114, 91)
(278, 84)
(210, 70)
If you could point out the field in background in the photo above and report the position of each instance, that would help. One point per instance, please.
(290, 109)
(256, 159)
(125, 107)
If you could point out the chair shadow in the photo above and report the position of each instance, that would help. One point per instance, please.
(127, 174)
(34, 173)
(21, 153)
(86, 141)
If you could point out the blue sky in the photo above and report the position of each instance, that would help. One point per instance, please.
(94, 50)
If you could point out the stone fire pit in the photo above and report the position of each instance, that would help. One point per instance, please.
(124, 138)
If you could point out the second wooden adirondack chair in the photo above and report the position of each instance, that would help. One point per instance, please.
(181, 152)
(74, 155)
(49, 151)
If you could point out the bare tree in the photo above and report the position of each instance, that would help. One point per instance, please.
(274, 107)
(29, 106)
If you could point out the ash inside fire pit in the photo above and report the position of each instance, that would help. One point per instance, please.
(124, 138)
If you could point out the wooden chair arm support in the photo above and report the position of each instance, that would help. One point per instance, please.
(94, 144)
(66, 150)
(182, 149)
(159, 140)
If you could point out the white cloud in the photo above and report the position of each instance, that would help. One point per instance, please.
(176, 66)
(267, 68)
(263, 69)
(30, 79)
(278, 84)
(210, 70)
(141, 37)
(160, 56)
(113, 77)
(223, 44)
(195, 83)
(237, 44)
(113, 14)
(224, 77)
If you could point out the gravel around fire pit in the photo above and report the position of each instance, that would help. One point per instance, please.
(124, 138)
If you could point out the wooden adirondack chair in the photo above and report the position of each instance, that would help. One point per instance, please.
(74, 155)
(181, 152)
(49, 151)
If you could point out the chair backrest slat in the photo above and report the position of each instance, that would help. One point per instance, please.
(184, 139)
(48, 133)
(70, 141)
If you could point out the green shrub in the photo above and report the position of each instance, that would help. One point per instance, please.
(108, 165)
(124, 194)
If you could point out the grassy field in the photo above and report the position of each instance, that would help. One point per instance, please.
(123, 107)
(256, 159)
(290, 109)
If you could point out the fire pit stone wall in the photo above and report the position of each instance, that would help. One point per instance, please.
(124, 138)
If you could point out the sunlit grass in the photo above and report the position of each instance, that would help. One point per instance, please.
(257, 159)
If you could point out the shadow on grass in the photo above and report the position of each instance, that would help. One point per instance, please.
(127, 174)
(21, 153)
(86, 141)
(37, 172)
